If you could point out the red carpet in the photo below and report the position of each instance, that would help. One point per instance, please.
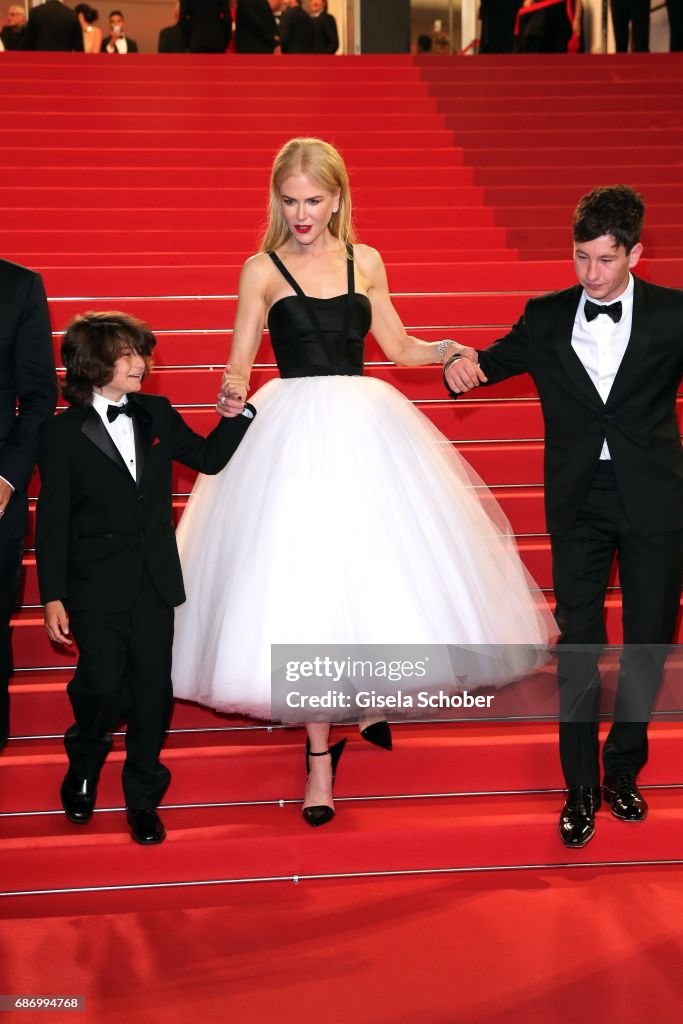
(465, 173)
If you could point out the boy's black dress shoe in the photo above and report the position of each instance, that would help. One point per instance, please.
(78, 798)
(626, 800)
(577, 821)
(146, 826)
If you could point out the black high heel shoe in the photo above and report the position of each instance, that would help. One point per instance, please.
(378, 733)
(320, 814)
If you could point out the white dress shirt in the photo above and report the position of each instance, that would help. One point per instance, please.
(120, 431)
(601, 344)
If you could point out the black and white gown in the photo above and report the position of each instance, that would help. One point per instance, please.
(345, 517)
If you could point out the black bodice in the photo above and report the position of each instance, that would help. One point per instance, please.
(319, 337)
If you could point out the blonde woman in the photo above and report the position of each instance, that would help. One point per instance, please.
(345, 517)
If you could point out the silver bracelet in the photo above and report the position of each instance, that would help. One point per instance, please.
(443, 345)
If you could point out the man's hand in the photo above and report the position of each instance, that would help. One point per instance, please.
(6, 493)
(463, 374)
(57, 623)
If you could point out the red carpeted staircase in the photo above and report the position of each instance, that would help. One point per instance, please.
(142, 185)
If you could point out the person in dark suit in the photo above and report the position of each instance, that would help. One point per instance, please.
(296, 29)
(28, 393)
(633, 15)
(675, 11)
(171, 38)
(325, 35)
(53, 26)
(255, 27)
(13, 34)
(498, 25)
(206, 25)
(606, 357)
(117, 41)
(108, 565)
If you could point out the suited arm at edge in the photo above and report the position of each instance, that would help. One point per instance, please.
(506, 357)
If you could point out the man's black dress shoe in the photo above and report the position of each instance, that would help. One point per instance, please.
(146, 826)
(78, 798)
(626, 800)
(577, 821)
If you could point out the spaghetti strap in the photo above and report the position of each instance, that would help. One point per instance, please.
(286, 274)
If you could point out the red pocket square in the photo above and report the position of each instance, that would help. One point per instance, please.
(156, 441)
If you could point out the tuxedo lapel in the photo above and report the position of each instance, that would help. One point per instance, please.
(637, 343)
(564, 329)
(95, 430)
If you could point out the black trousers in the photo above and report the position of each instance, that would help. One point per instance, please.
(650, 571)
(675, 10)
(635, 13)
(124, 670)
(10, 578)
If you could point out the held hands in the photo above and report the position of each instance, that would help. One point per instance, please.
(464, 373)
(233, 394)
(57, 623)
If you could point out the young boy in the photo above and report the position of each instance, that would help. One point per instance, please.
(108, 564)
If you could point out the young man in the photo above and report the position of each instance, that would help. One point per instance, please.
(108, 564)
(117, 41)
(606, 357)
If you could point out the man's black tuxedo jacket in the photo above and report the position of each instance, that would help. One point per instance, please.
(52, 26)
(171, 40)
(255, 27)
(97, 528)
(27, 373)
(132, 45)
(325, 35)
(296, 31)
(638, 419)
(206, 25)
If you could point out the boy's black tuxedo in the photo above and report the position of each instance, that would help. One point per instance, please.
(638, 419)
(106, 548)
(97, 528)
(631, 505)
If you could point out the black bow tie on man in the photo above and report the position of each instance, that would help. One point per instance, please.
(115, 410)
(594, 309)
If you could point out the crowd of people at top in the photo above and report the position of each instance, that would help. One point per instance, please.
(306, 26)
(199, 26)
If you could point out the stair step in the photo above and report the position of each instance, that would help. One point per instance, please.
(438, 834)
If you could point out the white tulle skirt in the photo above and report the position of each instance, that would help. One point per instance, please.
(345, 517)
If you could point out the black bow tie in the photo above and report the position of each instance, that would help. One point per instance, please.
(115, 410)
(593, 309)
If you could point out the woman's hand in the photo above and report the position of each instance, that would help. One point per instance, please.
(234, 384)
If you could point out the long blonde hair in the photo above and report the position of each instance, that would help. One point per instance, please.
(321, 162)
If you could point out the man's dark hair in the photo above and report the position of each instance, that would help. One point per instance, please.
(91, 345)
(120, 14)
(616, 210)
(424, 44)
